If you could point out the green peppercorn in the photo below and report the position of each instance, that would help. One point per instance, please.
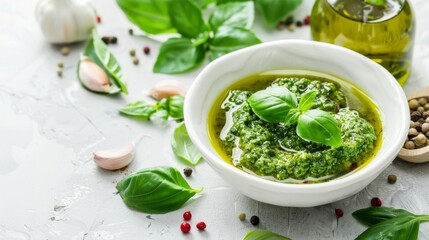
(65, 51)
(391, 179)
(135, 61)
(131, 31)
(132, 52)
(242, 216)
(60, 64)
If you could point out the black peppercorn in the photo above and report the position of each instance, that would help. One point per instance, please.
(106, 39)
(415, 116)
(254, 220)
(298, 24)
(113, 40)
(187, 171)
(289, 20)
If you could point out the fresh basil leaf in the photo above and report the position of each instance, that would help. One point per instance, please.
(186, 17)
(220, 2)
(234, 14)
(376, 2)
(306, 101)
(161, 114)
(264, 235)
(183, 147)
(273, 104)
(320, 127)
(273, 11)
(203, 3)
(373, 215)
(178, 55)
(138, 109)
(155, 190)
(292, 117)
(175, 107)
(151, 16)
(100, 55)
(406, 227)
(228, 39)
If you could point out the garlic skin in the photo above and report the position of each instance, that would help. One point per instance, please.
(65, 21)
(115, 158)
(167, 88)
(92, 76)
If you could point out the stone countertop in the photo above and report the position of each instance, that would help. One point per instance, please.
(50, 126)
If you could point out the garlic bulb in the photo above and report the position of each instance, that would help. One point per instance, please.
(167, 88)
(116, 158)
(65, 21)
(92, 76)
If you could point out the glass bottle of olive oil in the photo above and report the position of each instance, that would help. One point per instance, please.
(384, 33)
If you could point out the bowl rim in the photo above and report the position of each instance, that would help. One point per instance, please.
(364, 173)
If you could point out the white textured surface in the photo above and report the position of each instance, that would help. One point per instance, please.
(49, 126)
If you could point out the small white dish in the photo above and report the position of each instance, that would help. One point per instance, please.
(373, 79)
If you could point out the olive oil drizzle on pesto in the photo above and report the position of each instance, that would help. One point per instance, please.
(274, 151)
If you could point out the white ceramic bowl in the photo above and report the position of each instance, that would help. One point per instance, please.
(378, 83)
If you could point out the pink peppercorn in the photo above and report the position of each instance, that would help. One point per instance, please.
(201, 226)
(338, 212)
(187, 215)
(376, 202)
(98, 19)
(307, 20)
(185, 227)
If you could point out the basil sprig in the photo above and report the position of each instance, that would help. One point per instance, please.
(183, 147)
(273, 11)
(156, 190)
(182, 54)
(98, 52)
(163, 109)
(264, 235)
(389, 223)
(279, 105)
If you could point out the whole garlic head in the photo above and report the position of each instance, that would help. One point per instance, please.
(65, 21)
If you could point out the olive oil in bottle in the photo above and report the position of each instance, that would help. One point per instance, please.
(383, 33)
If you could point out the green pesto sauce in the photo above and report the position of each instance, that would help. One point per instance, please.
(274, 151)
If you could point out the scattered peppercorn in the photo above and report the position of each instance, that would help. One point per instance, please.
(289, 20)
(146, 50)
(339, 212)
(291, 27)
(185, 227)
(201, 226)
(376, 202)
(391, 179)
(98, 19)
(135, 61)
(113, 40)
(65, 51)
(59, 72)
(187, 171)
(254, 220)
(187, 215)
(307, 20)
(132, 52)
(242, 216)
(105, 39)
(298, 24)
(281, 25)
(131, 31)
(60, 64)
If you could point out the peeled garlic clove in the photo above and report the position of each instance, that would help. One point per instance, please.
(167, 88)
(92, 76)
(116, 158)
